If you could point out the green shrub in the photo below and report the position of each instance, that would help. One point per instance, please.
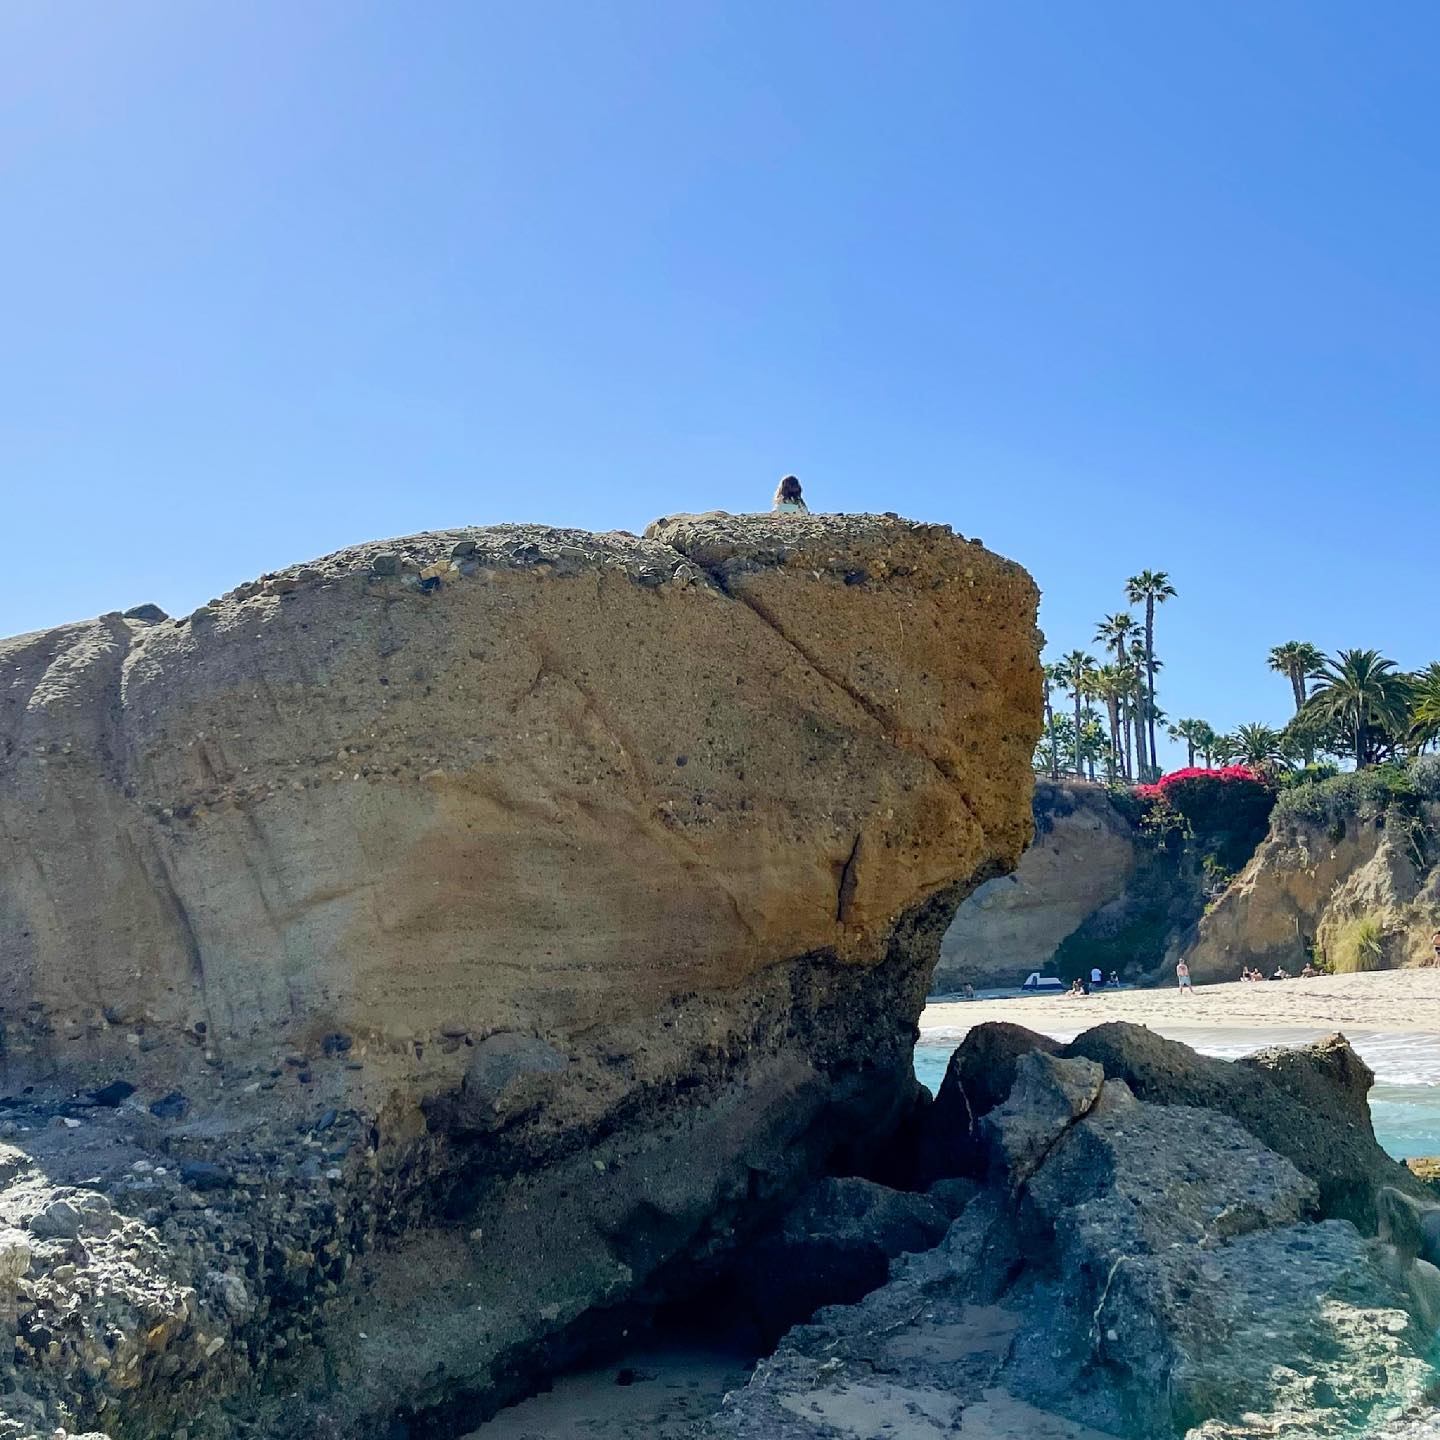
(1361, 792)
(1358, 946)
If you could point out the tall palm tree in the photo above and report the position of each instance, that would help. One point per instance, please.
(1297, 660)
(1116, 632)
(1361, 691)
(1112, 684)
(1146, 763)
(1193, 733)
(1425, 705)
(1154, 588)
(1205, 743)
(1051, 675)
(1077, 667)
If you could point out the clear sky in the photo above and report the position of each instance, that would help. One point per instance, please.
(1108, 285)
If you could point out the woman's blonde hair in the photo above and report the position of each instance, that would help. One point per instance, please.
(788, 490)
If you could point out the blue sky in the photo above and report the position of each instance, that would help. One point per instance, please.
(1109, 286)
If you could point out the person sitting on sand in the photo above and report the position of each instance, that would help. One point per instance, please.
(1309, 972)
(1281, 973)
(1115, 979)
(1182, 976)
(969, 991)
(1076, 989)
(788, 499)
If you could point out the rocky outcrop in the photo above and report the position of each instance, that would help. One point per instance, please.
(1082, 859)
(1133, 1269)
(594, 883)
(1310, 879)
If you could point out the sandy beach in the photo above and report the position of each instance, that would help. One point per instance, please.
(1391, 1001)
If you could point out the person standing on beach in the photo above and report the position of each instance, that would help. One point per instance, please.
(1182, 976)
(788, 499)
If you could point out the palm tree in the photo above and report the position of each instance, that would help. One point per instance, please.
(1261, 747)
(1076, 668)
(1425, 705)
(1205, 743)
(1193, 733)
(1052, 675)
(1361, 691)
(1297, 660)
(1141, 708)
(1112, 684)
(1225, 749)
(1154, 588)
(1116, 632)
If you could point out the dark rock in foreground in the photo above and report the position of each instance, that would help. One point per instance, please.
(1134, 1269)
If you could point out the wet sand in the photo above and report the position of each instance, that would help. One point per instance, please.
(1390, 1001)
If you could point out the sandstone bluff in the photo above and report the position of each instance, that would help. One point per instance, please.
(413, 959)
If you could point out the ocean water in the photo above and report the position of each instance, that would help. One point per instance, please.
(1404, 1103)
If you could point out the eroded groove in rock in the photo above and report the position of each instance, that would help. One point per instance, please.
(492, 970)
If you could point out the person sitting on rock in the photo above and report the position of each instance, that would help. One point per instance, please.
(788, 499)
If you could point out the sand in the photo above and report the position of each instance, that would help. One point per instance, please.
(1389, 1002)
(672, 1389)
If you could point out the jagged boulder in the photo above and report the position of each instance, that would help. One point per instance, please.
(1160, 1274)
(1303, 1106)
(978, 1077)
(1049, 1095)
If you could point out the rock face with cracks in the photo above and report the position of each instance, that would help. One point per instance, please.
(1150, 1270)
(593, 882)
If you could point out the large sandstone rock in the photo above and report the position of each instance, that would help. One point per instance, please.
(580, 778)
(1082, 858)
(599, 879)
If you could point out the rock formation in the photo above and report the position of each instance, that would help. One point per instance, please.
(1140, 1268)
(1082, 859)
(527, 912)
(1310, 879)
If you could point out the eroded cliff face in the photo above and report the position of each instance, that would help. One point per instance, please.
(1308, 881)
(1083, 856)
(594, 882)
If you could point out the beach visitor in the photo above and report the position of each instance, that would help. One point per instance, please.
(788, 499)
(1182, 976)
(1115, 978)
(1097, 977)
(1435, 941)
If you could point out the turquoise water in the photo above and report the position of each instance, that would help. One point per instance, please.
(1404, 1104)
